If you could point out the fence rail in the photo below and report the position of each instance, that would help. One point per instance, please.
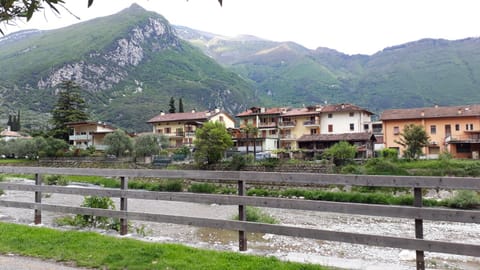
(416, 212)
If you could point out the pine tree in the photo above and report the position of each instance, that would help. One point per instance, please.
(172, 105)
(18, 125)
(70, 107)
(180, 105)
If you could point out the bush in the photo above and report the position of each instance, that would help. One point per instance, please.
(270, 163)
(388, 153)
(202, 188)
(237, 163)
(90, 220)
(255, 214)
(58, 180)
(352, 169)
(377, 166)
(464, 199)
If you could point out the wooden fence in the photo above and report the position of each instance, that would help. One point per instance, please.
(242, 178)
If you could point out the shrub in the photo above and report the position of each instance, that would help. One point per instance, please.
(59, 180)
(202, 188)
(270, 163)
(341, 153)
(377, 166)
(352, 169)
(464, 199)
(90, 220)
(388, 153)
(255, 214)
(237, 163)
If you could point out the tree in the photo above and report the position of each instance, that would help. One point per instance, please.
(180, 105)
(70, 107)
(118, 143)
(250, 132)
(341, 152)
(212, 139)
(150, 144)
(171, 105)
(413, 138)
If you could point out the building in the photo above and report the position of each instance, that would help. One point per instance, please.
(455, 129)
(307, 128)
(180, 127)
(89, 134)
(8, 135)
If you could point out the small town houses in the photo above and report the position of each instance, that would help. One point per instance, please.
(308, 130)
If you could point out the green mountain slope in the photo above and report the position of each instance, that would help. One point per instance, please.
(128, 65)
(421, 73)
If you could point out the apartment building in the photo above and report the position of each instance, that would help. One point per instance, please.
(455, 129)
(180, 127)
(306, 128)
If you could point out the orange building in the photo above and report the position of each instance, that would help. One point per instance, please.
(455, 129)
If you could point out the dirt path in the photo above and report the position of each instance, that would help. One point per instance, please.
(295, 249)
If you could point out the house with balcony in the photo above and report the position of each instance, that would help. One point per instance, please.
(340, 122)
(180, 128)
(455, 129)
(301, 128)
(266, 121)
(89, 134)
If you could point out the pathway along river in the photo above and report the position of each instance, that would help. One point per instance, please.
(337, 254)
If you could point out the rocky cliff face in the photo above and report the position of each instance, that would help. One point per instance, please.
(94, 75)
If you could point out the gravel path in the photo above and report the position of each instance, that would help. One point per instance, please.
(295, 249)
(12, 262)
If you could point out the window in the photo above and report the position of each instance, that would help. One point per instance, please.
(457, 127)
(159, 131)
(272, 132)
(463, 148)
(330, 128)
(365, 127)
(352, 127)
(313, 131)
(433, 129)
(330, 115)
(396, 130)
(471, 126)
(466, 126)
(167, 130)
(221, 118)
(352, 114)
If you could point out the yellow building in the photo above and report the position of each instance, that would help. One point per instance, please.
(455, 129)
(180, 128)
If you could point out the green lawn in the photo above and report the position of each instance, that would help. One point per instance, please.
(87, 249)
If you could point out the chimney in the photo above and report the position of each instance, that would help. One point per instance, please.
(194, 110)
(162, 113)
(217, 110)
(422, 113)
(436, 106)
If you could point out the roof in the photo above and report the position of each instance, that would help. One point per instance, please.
(431, 112)
(299, 112)
(358, 136)
(186, 116)
(90, 123)
(344, 107)
(261, 111)
(9, 133)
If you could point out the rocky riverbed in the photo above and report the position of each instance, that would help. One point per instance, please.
(288, 248)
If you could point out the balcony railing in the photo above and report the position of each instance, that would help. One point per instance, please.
(80, 137)
(286, 124)
(471, 138)
(288, 137)
(267, 125)
(311, 123)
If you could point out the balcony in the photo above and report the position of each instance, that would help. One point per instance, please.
(288, 137)
(80, 137)
(180, 134)
(311, 123)
(267, 125)
(287, 124)
(471, 138)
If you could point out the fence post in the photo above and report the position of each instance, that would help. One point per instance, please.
(417, 202)
(242, 216)
(38, 199)
(123, 205)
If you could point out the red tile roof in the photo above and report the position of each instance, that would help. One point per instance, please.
(431, 112)
(186, 116)
(261, 111)
(344, 107)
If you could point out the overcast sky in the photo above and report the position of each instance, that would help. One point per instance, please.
(349, 26)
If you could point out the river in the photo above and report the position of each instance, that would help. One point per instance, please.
(336, 254)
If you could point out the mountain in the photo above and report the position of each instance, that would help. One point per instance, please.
(128, 66)
(416, 74)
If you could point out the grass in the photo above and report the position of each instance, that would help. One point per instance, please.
(87, 249)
